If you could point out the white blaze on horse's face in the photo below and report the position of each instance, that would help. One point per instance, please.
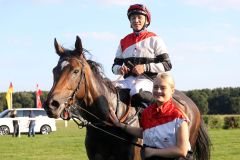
(64, 64)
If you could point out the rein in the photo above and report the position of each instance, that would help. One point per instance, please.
(82, 122)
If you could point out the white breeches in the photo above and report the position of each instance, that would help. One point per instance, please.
(135, 84)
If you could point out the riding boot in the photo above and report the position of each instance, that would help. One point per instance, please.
(124, 95)
(142, 99)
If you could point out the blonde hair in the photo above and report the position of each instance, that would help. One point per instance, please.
(167, 77)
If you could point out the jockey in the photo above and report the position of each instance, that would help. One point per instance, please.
(141, 55)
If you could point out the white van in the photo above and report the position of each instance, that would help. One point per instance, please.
(43, 124)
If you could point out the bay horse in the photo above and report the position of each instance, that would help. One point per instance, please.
(81, 90)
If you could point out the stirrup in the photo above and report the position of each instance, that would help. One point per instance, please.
(143, 105)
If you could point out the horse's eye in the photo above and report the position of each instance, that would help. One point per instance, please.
(76, 71)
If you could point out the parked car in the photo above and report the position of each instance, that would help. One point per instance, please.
(44, 124)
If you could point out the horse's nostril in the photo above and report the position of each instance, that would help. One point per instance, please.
(55, 104)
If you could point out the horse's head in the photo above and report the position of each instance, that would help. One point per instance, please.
(69, 77)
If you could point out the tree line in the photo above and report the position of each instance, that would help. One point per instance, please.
(209, 101)
(22, 99)
(217, 101)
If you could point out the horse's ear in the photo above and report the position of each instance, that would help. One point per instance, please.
(78, 45)
(58, 48)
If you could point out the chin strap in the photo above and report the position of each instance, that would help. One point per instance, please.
(137, 32)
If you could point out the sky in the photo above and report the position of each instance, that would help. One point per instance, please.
(202, 36)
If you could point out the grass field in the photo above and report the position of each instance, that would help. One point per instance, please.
(68, 144)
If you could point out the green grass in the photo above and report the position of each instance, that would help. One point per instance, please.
(226, 144)
(65, 143)
(68, 144)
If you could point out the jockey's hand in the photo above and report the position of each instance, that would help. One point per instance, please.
(123, 70)
(138, 69)
(114, 118)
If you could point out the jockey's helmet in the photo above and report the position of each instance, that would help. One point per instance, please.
(139, 9)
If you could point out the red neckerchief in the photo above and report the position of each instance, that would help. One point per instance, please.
(155, 115)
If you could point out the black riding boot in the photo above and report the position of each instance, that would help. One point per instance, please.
(142, 99)
(124, 95)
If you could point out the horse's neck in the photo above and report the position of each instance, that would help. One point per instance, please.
(98, 89)
(104, 98)
(95, 92)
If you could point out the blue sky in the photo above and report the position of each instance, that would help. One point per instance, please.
(202, 36)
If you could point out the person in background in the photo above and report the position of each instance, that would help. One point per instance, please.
(164, 127)
(15, 123)
(141, 55)
(31, 131)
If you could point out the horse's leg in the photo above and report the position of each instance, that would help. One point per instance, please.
(92, 152)
(98, 157)
(90, 147)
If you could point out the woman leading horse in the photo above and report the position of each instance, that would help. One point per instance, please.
(81, 90)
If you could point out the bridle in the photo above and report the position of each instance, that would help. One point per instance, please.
(82, 78)
(71, 107)
(68, 102)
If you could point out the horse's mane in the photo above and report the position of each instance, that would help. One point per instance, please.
(97, 69)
